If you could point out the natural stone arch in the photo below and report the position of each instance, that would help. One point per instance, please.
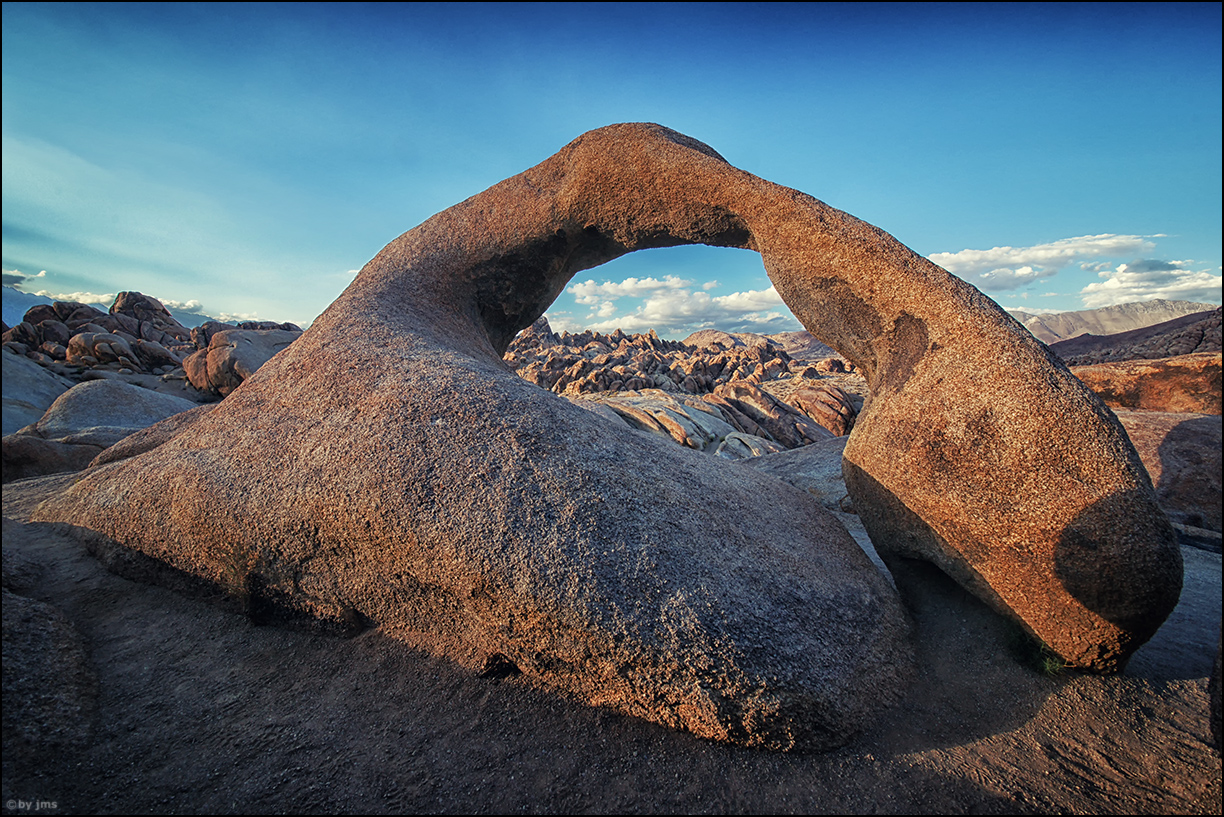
(388, 466)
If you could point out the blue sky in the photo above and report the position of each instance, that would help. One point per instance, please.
(245, 160)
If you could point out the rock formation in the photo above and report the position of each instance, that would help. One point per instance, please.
(388, 467)
(1186, 383)
(82, 422)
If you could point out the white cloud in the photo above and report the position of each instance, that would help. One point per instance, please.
(1146, 279)
(589, 293)
(679, 311)
(15, 277)
(186, 306)
(79, 297)
(1004, 268)
(235, 317)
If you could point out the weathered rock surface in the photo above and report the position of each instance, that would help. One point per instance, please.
(1187, 383)
(1182, 454)
(50, 687)
(233, 355)
(1189, 334)
(816, 469)
(388, 466)
(29, 390)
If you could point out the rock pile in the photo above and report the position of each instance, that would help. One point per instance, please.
(647, 382)
(588, 362)
(140, 336)
(387, 467)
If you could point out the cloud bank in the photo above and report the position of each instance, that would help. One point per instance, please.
(1145, 279)
(674, 307)
(1007, 268)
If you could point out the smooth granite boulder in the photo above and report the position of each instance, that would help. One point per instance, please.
(387, 467)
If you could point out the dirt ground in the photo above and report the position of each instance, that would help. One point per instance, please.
(178, 705)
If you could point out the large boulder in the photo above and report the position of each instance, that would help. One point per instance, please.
(389, 467)
(29, 390)
(81, 423)
(1186, 383)
(103, 412)
(233, 355)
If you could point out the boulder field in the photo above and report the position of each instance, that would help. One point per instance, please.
(389, 468)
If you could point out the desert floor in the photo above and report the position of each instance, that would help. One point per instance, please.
(195, 709)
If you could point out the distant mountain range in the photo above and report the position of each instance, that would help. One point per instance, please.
(1049, 328)
(1109, 320)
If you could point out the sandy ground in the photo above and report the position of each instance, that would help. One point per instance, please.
(188, 707)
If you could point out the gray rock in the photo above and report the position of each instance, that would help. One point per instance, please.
(815, 468)
(102, 412)
(29, 390)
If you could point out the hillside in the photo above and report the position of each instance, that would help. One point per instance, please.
(1108, 320)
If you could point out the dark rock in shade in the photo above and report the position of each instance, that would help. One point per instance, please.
(29, 390)
(27, 455)
(388, 465)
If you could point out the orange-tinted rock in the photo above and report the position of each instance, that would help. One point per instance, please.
(1182, 453)
(1184, 383)
(389, 466)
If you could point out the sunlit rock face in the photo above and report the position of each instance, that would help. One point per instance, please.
(388, 468)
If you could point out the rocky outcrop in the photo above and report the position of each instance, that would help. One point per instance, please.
(388, 466)
(139, 336)
(1189, 383)
(1187, 335)
(591, 363)
(233, 355)
(797, 345)
(731, 379)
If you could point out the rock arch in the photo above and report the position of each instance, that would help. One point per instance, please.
(388, 466)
